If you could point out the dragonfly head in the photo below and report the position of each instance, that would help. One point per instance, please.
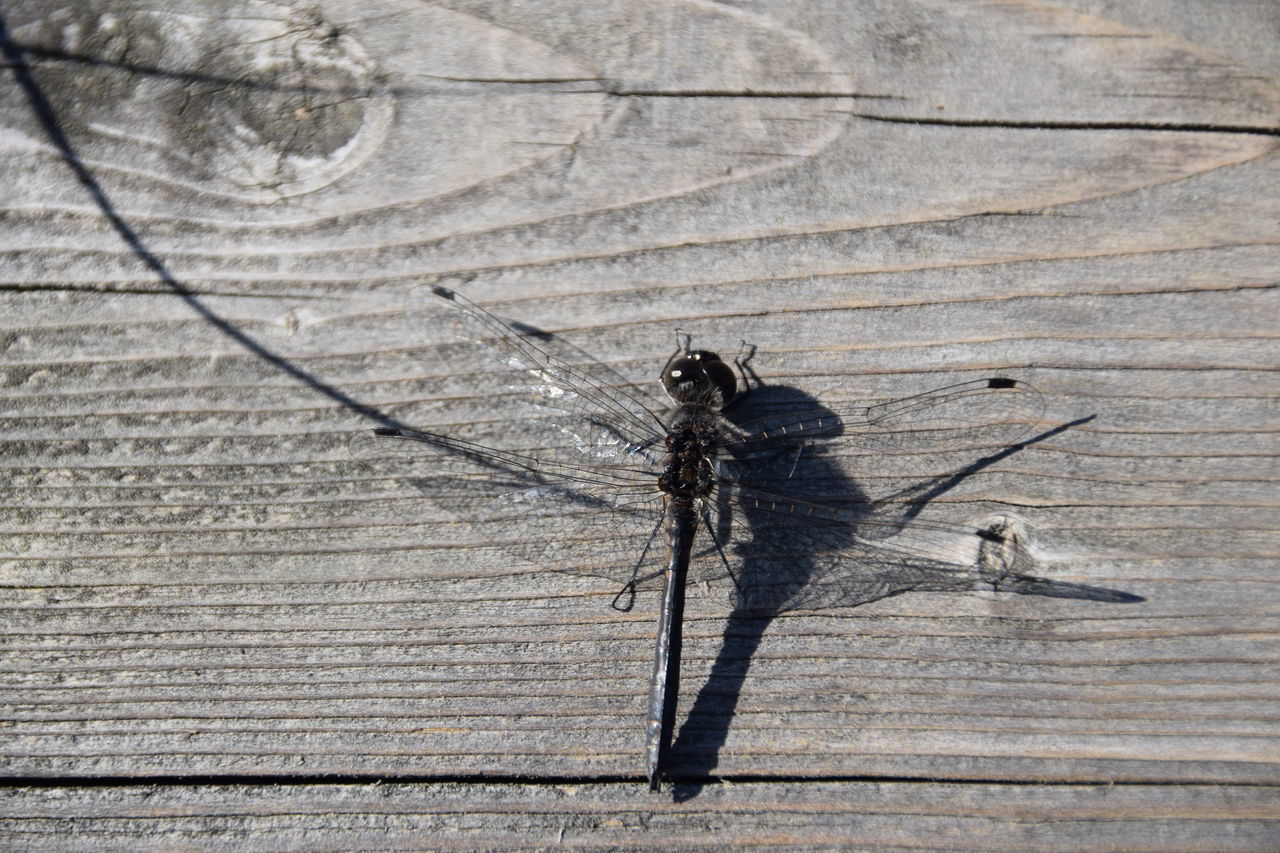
(697, 376)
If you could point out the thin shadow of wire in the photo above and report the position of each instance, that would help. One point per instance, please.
(16, 57)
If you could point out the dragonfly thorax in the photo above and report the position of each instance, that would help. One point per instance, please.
(688, 472)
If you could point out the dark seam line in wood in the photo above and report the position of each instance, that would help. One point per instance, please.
(346, 93)
(518, 81)
(340, 779)
(108, 288)
(20, 51)
(1192, 127)
(1078, 125)
(763, 94)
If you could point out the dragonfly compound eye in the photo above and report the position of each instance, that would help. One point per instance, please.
(683, 376)
(722, 376)
(697, 374)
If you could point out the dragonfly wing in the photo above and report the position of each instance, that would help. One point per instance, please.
(832, 501)
(587, 400)
(891, 458)
(588, 519)
(799, 554)
(979, 415)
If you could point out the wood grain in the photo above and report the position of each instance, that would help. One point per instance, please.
(817, 816)
(217, 220)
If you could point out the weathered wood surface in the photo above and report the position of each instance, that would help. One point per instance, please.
(214, 219)
(819, 816)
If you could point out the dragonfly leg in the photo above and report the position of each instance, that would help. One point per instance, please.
(750, 379)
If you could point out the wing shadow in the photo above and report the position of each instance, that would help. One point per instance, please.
(811, 584)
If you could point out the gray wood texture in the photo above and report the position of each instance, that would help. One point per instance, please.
(819, 816)
(217, 221)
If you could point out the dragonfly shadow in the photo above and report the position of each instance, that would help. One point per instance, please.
(794, 574)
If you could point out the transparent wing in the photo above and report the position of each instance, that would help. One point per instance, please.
(815, 507)
(830, 505)
(573, 488)
(593, 519)
(902, 451)
(983, 413)
(595, 415)
(793, 553)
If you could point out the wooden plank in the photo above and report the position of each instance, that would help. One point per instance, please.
(884, 198)
(816, 816)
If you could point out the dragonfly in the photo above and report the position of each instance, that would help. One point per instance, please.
(772, 509)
